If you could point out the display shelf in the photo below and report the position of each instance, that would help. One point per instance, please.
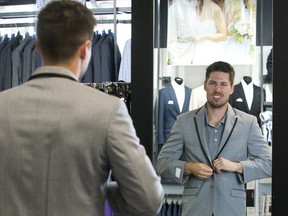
(262, 187)
(265, 181)
(173, 189)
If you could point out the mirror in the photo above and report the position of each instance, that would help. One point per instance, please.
(190, 35)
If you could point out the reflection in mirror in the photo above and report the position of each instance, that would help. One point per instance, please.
(187, 54)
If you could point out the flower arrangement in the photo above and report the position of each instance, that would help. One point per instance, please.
(240, 30)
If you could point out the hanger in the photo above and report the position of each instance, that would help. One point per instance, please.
(27, 35)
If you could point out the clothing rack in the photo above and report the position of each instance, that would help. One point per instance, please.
(172, 205)
(102, 21)
(95, 11)
(16, 25)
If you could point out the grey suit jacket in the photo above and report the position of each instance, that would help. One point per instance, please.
(59, 140)
(221, 194)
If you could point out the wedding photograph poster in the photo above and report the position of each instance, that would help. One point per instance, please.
(200, 32)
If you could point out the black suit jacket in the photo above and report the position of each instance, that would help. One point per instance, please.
(238, 100)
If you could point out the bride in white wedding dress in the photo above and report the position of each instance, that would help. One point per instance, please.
(240, 18)
(181, 27)
(210, 31)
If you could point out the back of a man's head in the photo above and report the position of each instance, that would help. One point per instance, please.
(62, 27)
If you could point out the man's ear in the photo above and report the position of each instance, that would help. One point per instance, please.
(232, 89)
(85, 48)
(37, 45)
(205, 85)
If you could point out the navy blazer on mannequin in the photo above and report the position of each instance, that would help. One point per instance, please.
(169, 110)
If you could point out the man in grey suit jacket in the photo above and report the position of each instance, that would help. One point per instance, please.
(61, 140)
(223, 147)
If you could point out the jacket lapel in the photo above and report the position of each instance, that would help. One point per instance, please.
(186, 100)
(244, 98)
(174, 98)
(199, 121)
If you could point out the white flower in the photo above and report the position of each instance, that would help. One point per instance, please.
(239, 30)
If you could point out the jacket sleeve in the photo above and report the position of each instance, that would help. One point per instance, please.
(259, 164)
(137, 189)
(168, 164)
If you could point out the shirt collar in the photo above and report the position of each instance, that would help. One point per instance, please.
(245, 85)
(177, 86)
(223, 120)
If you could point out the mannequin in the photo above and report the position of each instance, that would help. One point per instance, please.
(247, 79)
(247, 97)
(173, 100)
(178, 80)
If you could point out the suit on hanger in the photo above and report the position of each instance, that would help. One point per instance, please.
(27, 61)
(89, 74)
(168, 110)
(2, 60)
(63, 147)
(17, 62)
(238, 100)
(221, 194)
(97, 73)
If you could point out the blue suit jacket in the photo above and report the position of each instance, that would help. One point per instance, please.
(169, 110)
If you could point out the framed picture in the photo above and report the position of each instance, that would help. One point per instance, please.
(203, 31)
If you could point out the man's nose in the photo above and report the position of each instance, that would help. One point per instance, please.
(217, 88)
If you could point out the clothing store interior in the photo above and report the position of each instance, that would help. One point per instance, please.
(147, 70)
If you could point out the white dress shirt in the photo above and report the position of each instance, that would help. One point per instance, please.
(249, 92)
(181, 27)
(180, 93)
(125, 65)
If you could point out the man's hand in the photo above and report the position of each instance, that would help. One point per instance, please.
(200, 170)
(222, 164)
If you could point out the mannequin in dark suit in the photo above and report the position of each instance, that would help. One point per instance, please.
(238, 98)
